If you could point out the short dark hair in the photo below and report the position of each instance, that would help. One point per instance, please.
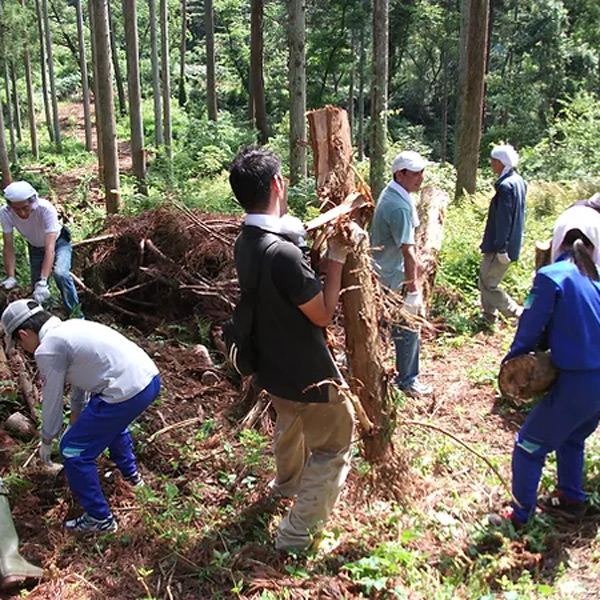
(250, 177)
(35, 322)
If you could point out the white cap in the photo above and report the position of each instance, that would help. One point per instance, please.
(14, 315)
(410, 160)
(19, 191)
(506, 154)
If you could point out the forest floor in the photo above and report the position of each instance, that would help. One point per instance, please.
(203, 525)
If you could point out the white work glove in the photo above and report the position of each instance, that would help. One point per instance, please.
(503, 258)
(9, 283)
(41, 293)
(46, 452)
(413, 303)
(337, 251)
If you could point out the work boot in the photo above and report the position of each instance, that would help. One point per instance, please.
(14, 569)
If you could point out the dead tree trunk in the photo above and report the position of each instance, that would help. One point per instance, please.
(332, 150)
(431, 207)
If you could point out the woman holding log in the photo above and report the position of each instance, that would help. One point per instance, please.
(564, 304)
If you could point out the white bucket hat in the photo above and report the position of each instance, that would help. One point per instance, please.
(19, 191)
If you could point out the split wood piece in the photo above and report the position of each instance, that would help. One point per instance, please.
(20, 425)
(6, 375)
(331, 144)
(28, 390)
(354, 202)
(431, 207)
(256, 412)
(104, 301)
(543, 254)
(527, 376)
(361, 299)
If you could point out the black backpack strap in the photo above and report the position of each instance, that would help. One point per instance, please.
(248, 293)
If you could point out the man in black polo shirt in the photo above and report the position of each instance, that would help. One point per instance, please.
(314, 423)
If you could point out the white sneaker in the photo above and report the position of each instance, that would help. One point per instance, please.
(417, 389)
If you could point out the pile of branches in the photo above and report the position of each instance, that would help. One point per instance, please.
(168, 263)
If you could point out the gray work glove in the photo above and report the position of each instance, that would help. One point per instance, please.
(503, 258)
(46, 452)
(413, 303)
(41, 292)
(9, 283)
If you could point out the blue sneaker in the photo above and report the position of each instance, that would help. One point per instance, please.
(87, 523)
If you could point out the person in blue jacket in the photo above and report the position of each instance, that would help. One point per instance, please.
(564, 306)
(503, 234)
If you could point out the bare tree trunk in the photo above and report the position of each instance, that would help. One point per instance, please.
(106, 106)
(379, 96)
(181, 95)
(138, 159)
(16, 103)
(332, 156)
(444, 140)
(9, 113)
(116, 65)
(85, 89)
(4, 161)
(361, 96)
(256, 68)
(469, 132)
(166, 82)
(97, 110)
(211, 85)
(351, 84)
(156, 87)
(30, 98)
(43, 65)
(297, 44)
(51, 77)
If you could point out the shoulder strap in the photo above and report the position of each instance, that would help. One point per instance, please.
(265, 242)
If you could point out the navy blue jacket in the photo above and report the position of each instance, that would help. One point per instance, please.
(506, 217)
(568, 303)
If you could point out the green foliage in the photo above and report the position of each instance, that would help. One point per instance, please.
(569, 148)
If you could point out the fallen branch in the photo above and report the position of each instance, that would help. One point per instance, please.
(104, 301)
(94, 240)
(469, 448)
(173, 426)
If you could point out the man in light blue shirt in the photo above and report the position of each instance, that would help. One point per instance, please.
(394, 253)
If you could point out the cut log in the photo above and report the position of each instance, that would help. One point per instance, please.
(543, 254)
(431, 207)
(28, 390)
(332, 149)
(20, 425)
(527, 376)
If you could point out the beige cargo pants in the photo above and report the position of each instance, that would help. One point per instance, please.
(312, 455)
(494, 298)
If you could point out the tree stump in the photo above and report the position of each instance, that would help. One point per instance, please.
(543, 254)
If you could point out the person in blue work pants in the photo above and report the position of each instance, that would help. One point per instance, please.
(112, 382)
(564, 305)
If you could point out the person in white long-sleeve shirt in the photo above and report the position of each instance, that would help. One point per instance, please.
(113, 381)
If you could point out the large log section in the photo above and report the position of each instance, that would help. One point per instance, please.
(332, 155)
(361, 297)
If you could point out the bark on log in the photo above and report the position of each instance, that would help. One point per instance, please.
(28, 390)
(331, 143)
(332, 149)
(431, 207)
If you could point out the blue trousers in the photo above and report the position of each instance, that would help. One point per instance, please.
(63, 252)
(102, 425)
(560, 422)
(408, 346)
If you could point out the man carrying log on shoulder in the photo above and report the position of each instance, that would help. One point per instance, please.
(313, 430)
(112, 382)
(396, 261)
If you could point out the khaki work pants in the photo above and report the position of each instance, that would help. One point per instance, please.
(492, 297)
(312, 454)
